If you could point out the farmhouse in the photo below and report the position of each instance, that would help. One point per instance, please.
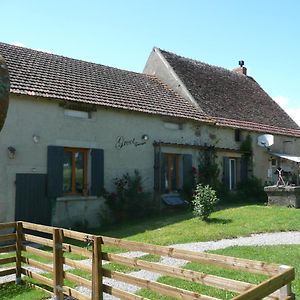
(74, 126)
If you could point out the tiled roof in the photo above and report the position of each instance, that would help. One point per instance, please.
(232, 99)
(258, 127)
(41, 74)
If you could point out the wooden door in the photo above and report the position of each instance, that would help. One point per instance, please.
(32, 204)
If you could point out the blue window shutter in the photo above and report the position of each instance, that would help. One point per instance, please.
(187, 175)
(156, 170)
(159, 171)
(97, 171)
(162, 173)
(244, 169)
(55, 159)
(226, 171)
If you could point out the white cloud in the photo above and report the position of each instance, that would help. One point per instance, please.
(44, 50)
(18, 44)
(283, 102)
(294, 114)
(23, 45)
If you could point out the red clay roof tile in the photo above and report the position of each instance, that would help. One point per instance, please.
(232, 99)
(41, 74)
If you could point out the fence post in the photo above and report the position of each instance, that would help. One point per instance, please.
(286, 291)
(19, 232)
(58, 279)
(97, 289)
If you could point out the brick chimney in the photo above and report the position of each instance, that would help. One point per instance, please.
(241, 69)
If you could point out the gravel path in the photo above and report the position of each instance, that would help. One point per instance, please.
(279, 238)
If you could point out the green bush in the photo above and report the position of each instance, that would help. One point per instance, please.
(251, 189)
(129, 199)
(204, 201)
(208, 168)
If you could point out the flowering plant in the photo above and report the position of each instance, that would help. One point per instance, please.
(129, 198)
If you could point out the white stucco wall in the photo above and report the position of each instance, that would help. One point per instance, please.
(28, 116)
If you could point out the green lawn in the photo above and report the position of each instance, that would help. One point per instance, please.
(11, 291)
(226, 223)
(288, 255)
(182, 227)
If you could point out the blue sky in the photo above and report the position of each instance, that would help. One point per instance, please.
(265, 34)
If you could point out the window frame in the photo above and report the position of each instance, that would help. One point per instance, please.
(74, 150)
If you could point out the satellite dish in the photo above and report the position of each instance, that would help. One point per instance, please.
(265, 140)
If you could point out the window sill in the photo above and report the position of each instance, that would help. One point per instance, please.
(76, 198)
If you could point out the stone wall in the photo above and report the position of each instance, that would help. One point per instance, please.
(76, 212)
(283, 195)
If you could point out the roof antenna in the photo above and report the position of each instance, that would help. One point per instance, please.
(241, 63)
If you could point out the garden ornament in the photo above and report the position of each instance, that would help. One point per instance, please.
(4, 91)
(280, 178)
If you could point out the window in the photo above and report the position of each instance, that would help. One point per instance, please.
(64, 169)
(234, 169)
(173, 126)
(274, 162)
(77, 114)
(171, 172)
(75, 171)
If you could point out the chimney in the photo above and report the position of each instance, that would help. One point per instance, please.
(241, 70)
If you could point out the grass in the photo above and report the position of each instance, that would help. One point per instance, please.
(283, 254)
(11, 291)
(225, 223)
(127, 269)
(280, 254)
(183, 227)
(87, 275)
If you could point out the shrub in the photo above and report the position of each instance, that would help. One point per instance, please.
(208, 168)
(204, 201)
(251, 189)
(129, 199)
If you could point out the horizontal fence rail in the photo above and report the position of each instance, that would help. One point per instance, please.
(57, 261)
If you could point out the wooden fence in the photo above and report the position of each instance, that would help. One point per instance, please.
(21, 245)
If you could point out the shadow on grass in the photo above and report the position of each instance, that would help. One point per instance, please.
(139, 225)
(218, 221)
(236, 204)
(161, 219)
(129, 228)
